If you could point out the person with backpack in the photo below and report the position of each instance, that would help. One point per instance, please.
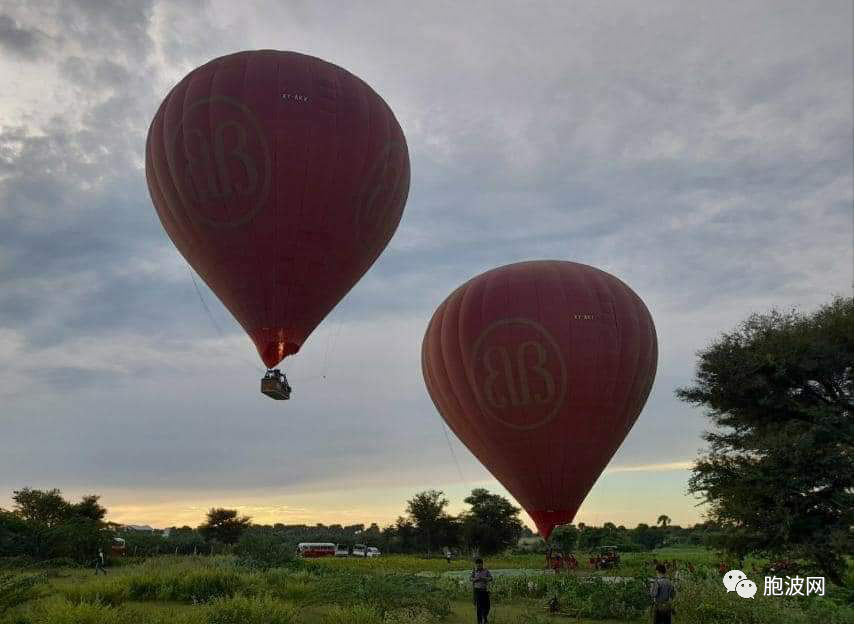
(662, 592)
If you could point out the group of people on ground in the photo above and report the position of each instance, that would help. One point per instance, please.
(557, 562)
(661, 591)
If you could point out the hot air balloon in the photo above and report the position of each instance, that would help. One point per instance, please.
(280, 178)
(541, 369)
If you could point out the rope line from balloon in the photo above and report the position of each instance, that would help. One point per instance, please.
(213, 320)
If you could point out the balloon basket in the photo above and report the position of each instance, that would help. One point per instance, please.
(275, 385)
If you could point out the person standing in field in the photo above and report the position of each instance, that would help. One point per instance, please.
(481, 578)
(662, 592)
(99, 563)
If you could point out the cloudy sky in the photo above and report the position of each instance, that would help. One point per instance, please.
(702, 152)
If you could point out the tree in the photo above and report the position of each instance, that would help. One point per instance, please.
(663, 521)
(224, 526)
(647, 537)
(779, 472)
(89, 507)
(565, 537)
(45, 508)
(492, 524)
(427, 512)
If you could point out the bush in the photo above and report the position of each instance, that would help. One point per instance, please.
(263, 551)
(16, 589)
(356, 614)
(383, 592)
(409, 615)
(704, 601)
(250, 610)
(64, 612)
(107, 593)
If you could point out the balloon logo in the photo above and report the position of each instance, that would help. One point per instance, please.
(224, 176)
(541, 369)
(280, 178)
(732, 578)
(746, 588)
(520, 373)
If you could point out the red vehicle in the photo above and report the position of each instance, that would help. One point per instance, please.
(315, 549)
(118, 548)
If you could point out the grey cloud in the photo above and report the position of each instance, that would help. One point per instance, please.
(701, 155)
(27, 43)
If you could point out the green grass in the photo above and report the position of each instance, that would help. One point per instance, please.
(393, 590)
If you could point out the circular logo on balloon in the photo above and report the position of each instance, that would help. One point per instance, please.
(382, 195)
(221, 162)
(519, 373)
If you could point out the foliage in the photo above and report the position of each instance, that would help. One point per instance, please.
(260, 550)
(44, 525)
(492, 524)
(565, 537)
(16, 589)
(432, 525)
(223, 526)
(704, 601)
(249, 610)
(356, 614)
(779, 473)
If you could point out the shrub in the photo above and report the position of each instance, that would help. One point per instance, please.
(263, 551)
(356, 614)
(111, 592)
(409, 615)
(64, 612)
(250, 610)
(16, 589)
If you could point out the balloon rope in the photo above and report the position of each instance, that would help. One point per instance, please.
(211, 316)
(454, 455)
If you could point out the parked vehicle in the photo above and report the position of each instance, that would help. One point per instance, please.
(316, 549)
(605, 557)
(363, 550)
(342, 550)
(119, 547)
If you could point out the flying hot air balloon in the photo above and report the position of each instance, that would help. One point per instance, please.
(541, 369)
(280, 178)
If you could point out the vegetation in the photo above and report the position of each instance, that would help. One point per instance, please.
(223, 526)
(397, 589)
(779, 473)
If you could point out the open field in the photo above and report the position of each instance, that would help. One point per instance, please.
(388, 590)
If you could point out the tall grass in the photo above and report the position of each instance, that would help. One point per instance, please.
(16, 589)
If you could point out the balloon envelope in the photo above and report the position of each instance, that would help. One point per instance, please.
(280, 178)
(541, 369)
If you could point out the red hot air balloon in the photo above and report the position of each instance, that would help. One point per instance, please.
(541, 368)
(280, 178)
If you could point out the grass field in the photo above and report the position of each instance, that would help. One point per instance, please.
(391, 590)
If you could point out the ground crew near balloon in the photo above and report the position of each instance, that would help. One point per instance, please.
(662, 592)
(481, 578)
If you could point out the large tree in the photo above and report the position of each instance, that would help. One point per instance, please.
(427, 512)
(46, 508)
(223, 526)
(778, 475)
(492, 524)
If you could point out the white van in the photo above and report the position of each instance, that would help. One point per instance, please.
(341, 550)
(373, 552)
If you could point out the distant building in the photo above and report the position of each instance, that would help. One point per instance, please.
(138, 528)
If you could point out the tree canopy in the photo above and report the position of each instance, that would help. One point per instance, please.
(778, 475)
(224, 526)
(492, 524)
